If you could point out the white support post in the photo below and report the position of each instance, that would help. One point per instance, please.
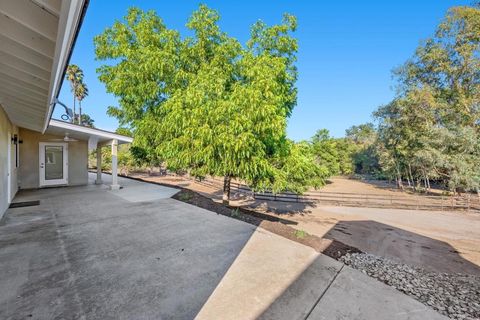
(99, 165)
(115, 185)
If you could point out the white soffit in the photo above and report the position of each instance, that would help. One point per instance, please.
(60, 128)
(36, 38)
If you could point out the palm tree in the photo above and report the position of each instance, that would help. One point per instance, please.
(74, 75)
(81, 91)
(87, 121)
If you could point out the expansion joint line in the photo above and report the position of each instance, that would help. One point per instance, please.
(323, 293)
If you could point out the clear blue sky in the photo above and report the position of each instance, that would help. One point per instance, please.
(347, 50)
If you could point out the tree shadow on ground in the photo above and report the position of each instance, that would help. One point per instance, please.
(283, 207)
(327, 290)
(405, 246)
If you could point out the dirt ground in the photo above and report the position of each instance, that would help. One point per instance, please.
(345, 185)
(442, 241)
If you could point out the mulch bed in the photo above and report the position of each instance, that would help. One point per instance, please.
(329, 247)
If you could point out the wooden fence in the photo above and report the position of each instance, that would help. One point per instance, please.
(467, 202)
(418, 202)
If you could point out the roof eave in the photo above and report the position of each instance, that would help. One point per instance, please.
(90, 131)
(71, 18)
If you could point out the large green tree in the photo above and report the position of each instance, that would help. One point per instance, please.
(432, 127)
(205, 103)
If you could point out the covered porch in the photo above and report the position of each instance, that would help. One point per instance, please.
(37, 37)
(96, 139)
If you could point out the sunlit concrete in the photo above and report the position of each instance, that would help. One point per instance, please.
(134, 191)
(264, 270)
(275, 278)
(354, 295)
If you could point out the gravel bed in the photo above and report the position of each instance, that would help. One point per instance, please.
(454, 295)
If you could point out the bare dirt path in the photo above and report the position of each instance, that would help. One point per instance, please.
(441, 241)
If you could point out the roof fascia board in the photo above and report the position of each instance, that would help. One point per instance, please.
(90, 131)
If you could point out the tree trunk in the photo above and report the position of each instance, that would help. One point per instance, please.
(399, 177)
(73, 119)
(80, 112)
(411, 177)
(399, 181)
(226, 189)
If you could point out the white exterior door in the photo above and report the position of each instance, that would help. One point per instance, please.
(9, 167)
(53, 160)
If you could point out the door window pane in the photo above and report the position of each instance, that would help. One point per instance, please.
(53, 162)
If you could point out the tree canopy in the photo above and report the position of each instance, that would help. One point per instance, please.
(206, 103)
(431, 129)
(211, 105)
(79, 89)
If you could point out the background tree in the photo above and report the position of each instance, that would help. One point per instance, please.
(325, 150)
(81, 91)
(364, 153)
(431, 129)
(74, 75)
(206, 103)
(87, 121)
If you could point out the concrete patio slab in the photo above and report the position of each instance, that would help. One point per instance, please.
(88, 253)
(354, 295)
(94, 255)
(133, 191)
(267, 266)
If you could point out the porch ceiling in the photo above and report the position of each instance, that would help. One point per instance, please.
(92, 135)
(36, 39)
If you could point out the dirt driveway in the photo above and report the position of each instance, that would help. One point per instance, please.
(442, 241)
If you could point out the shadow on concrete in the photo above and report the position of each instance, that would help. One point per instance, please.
(90, 254)
(328, 290)
(408, 247)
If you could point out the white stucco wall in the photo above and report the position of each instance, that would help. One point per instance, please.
(6, 127)
(28, 176)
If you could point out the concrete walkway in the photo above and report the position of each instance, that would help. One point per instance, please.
(90, 253)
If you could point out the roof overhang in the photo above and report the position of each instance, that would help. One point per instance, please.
(37, 38)
(93, 136)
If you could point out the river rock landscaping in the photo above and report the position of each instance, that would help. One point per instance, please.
(454, 295)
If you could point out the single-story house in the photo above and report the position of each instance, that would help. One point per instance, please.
(37, 38)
